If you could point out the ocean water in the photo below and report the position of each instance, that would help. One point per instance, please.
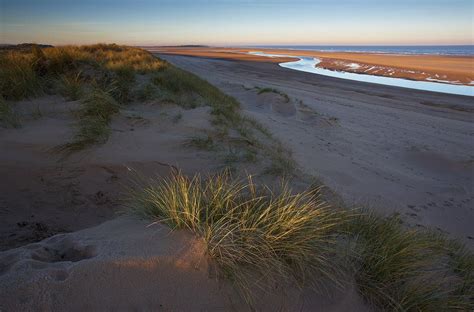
(308, 64)
(435, 50)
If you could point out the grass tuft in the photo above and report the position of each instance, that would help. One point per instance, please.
(147, 92)
(258, 237)
(71, 86)
(407, 269)
(25, 73)
(94, 117)
(281, 163)
(205, 143)
(18, 78)
(272, 90)
(261, 237)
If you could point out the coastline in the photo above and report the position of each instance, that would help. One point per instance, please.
(373, 145)
(447, 69)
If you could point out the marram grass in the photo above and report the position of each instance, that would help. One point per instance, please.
(26, 74)
(260, 237)
(93, 124)
(250, 231)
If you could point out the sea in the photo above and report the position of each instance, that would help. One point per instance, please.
(460, 50)
(308, 64)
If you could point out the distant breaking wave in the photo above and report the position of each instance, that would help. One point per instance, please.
(308, 64)
(467, 50)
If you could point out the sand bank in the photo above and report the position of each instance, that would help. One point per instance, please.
(439, 68)
(311, 65)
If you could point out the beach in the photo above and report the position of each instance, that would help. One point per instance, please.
(388, 148)
(438, 68)
(213, 183)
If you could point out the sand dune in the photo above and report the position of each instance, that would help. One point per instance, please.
(392, 150)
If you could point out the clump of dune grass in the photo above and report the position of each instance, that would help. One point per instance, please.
(256, 236)
(26, 73)
(281, 163)
(461, 263)
(71, 86)
(248, 155)
(183, 87)
(272, 90)
(94, 118)
(260, 237)
(8, 117)
(402, 269)
(18, 79)
(201, 142)
(258, 126)
(106, 72)
(147, 92)
(181, 83)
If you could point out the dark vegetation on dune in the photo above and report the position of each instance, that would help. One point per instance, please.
(258, 237)
(101, 76)
(104, 78)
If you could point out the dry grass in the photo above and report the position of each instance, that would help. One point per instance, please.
(94, 117)
(190, 91)
(257, 237)
(18, 78)
(402, 269)
(76, 71)
(272, 90)
(71, 86)
(201, 142)
(26, 73)
(196, 92)
(260, 238)
(105, 73)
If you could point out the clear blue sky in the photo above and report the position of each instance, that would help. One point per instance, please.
(237, 22)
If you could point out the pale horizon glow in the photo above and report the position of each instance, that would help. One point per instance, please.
(238, 22)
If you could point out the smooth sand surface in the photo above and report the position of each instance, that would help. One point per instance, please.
(129, 265)
(443, 69)
(43, 194)
(387, 148)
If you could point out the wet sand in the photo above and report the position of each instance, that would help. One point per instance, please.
(439, 68)
(388, 148)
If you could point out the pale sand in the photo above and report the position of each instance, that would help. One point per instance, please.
(124, 264)
(43, 195)
(388, 148)
(458, 69)
(128, 265)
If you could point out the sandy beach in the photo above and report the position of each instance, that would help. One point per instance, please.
(84, 231)
(439, 68)
(392, 149)
(234, 156)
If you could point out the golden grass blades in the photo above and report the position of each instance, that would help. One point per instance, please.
(93, 125)
(405, 269)
(256, 236)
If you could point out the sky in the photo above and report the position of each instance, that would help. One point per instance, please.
(238, 22)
